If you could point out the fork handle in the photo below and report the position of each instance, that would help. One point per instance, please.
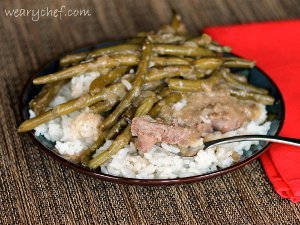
(268, 138)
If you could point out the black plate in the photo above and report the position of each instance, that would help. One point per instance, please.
(255, 76)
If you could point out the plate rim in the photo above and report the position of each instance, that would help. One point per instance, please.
(136, 181)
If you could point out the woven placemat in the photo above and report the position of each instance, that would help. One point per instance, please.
(37, 190)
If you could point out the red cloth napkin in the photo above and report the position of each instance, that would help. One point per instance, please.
(275, 46)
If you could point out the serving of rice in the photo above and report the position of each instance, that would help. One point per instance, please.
(77, 131)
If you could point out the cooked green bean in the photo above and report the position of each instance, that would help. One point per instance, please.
(106, 62)
(165, 92)
(136, 87)
(120, 142)
(110, 102)
(203, 40)
(121, 123)
(238, 77)
(212, 63)
(161, 49)
(165, 38)
(175, 27)
(87, 153)
(123, 139)
(243, 86)
(178, 25)
(208, 63)
(146, 105)
(234, 62)
(45, 96)
(143, 34)
(144, 94)
(127, 48)
(116, 128)
(218, 48)
(99, 63)
(101, 107)
(193, 85)
(105, 135)
(152, 85)
(73, 58)
(167, 100)
(136, 40)
(158, 73)
(180, 50)
(77, 57)
(169, 61)
(106, 79)
(246, 95)
(70, 106)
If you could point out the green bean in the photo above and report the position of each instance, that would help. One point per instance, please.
(165, 92)
(106, 79)
(165, 38)
(73, 58)
(136, 87)
(101, 107)
(120, 142)
(121, 123)
(212, 63)
(179, 50)
(123, 139)
(77, 57)
(161, 49)
(175, 27)
(208, 63)
(238, 77)
(99, 63)
(146, 105)
(167, 100)
(143, 34)
(178, 25)
(87, 153)
(108, 62)
(203, 40)
(105, 135)
(169, 61)
(243, 86)
(158, 89)
(69, 107)
(193, 85)
(111, 101)
(136, 40)
(234, 62)
(246, 95)
(127, 48)
(144, 94)
(218, 48)
(158, 73)
(152, 85)
(45, 96)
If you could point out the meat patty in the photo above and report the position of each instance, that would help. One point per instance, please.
(223, 112)
(149, 132)
(204, 112)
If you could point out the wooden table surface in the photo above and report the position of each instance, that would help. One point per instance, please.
(35, 189)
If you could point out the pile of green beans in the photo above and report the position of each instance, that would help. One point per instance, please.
(140, 77)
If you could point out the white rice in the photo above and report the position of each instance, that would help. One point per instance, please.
(159, 163)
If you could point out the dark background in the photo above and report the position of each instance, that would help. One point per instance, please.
(35, 189)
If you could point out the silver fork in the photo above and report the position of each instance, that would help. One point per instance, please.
(268, 138)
